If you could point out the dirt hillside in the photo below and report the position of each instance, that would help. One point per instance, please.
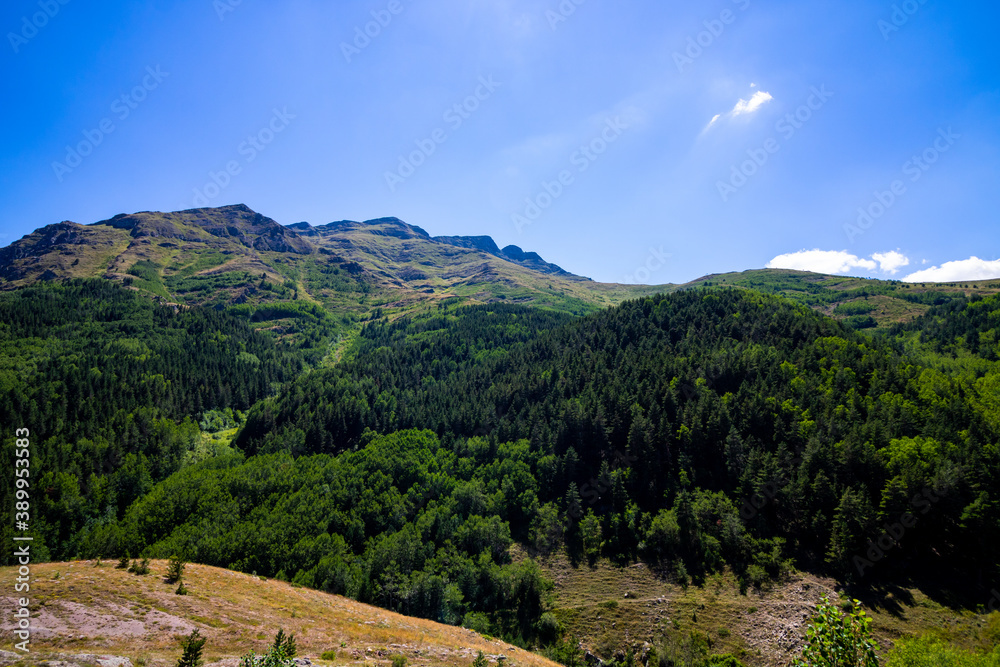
(81, 608)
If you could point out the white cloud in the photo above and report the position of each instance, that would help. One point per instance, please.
(821, 261)
(839, 261)
(759, 99)
(891, 262)
(963, 269)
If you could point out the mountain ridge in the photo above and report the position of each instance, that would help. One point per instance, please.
(233, 255)
(216, 256)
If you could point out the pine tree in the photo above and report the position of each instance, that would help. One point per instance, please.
(284, 645)
(175, 570)
(193, 646)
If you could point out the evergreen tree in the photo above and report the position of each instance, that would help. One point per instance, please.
(193, 646)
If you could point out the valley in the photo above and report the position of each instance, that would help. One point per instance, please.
(354, 417)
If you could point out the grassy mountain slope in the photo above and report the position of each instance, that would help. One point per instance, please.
(860, 302)
(232, 255)
(78, 607)
(413, 268)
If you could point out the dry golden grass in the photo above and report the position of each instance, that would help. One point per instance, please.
(79, 608)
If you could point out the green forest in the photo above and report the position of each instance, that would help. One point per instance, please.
(706, 430)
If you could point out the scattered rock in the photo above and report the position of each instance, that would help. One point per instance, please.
(7, 658)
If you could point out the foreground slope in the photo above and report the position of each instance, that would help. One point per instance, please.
(80, 607)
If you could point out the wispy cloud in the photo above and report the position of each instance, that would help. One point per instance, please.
(759, 99)
(839, 261)
(963, 269)
(743, 107)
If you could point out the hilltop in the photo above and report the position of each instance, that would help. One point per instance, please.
(862, 303)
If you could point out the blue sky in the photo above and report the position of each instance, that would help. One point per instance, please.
(858, 137)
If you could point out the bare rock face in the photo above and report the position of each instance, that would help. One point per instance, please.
(51, 238)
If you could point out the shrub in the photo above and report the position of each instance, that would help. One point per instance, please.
(398, 660)
(549, 628)
(330, 655)
(835, 640)
(281, 654)
(123, 562)
(992, 630)
(175, 570)
(477, 622)
(724, 660)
